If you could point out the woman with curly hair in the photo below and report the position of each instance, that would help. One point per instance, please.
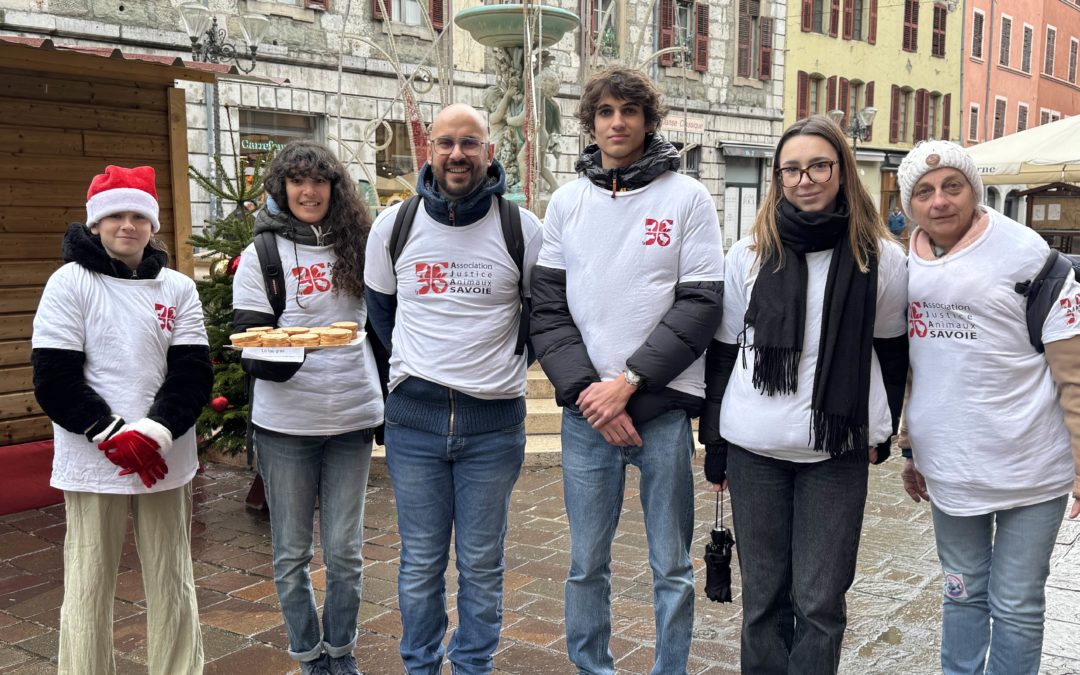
(815, 300)
(314, 421)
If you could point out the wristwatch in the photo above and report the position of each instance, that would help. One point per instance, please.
(632, 378)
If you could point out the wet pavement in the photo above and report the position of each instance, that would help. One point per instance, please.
(894, 606)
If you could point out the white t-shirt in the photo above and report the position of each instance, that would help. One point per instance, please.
(457, 301)
(336, 390)
(780, 426)
(125, 328)
(623, 258)
(985, 424)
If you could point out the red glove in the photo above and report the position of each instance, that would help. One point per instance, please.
(136, 453)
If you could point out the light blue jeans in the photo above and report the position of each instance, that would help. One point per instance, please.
(995, 569)
(297, 471)
(594, 475)
(460, 484)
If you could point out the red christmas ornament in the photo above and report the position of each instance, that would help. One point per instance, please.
(233, 264)
(219, 404)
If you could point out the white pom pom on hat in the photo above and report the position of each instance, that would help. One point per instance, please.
(120, 189)
(928, 156)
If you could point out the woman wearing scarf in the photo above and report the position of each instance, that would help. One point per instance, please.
(805, 380)
(315, 420)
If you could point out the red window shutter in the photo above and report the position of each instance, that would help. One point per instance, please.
(871, 32)
(802, 96)
(894, 115)
(849, 18)
(765, 29)
(946, 103)
(920, 115)
(834, 17)
(320, 5)
(745, 60)
(807, 15)
(437, 11)
(830, 94)
(701, 37)
(914, 25)
(667, 30)
(377, 10)
(868, 102)
(842, 101)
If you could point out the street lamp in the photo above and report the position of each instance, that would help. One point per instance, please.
(860, 124)
(208, 42)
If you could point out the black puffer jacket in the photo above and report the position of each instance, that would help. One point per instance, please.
(677, 341)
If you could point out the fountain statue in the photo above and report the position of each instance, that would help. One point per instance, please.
(522, 143)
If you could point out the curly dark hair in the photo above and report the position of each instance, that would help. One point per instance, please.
(626, 84)
(348, 217)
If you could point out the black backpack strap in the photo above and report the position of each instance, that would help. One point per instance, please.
(1042, 293)
(510, 219)
(403, 221)
(273, 274)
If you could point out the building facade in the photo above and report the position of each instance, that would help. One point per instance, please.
(364, 76)
(1020, 71)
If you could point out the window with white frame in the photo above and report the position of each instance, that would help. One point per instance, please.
(905, 114)
(1005, 44)
(858, 16)
(817, 96)
(1021, 116)
(1025, 55)
(407, 12)
(977, 20)
(1046, 116)
(1051, 45)
(1074, 46)
(973, 122)
(933, 115)
(1000, 106)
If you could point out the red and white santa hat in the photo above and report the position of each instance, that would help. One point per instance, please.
(118, 190)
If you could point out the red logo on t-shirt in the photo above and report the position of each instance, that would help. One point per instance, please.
(431, 277)
(312, 279)
(917, 327)
(166, 316)
(657, 232)
(1071, 306)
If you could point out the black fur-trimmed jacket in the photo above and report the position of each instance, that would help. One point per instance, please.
(59, 380)
(678, 340)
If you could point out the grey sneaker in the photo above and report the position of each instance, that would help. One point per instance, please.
(319, 666)
(344, 665)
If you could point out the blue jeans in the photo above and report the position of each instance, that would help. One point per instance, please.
(594, 474)
(798, 527)
(461, 484)
(297, 471)
(995, 569)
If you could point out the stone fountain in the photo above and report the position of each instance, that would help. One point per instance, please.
(502, 27)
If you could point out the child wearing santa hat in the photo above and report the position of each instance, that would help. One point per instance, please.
(122, 367)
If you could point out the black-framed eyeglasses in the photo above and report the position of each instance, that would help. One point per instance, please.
(470, 147)
(818, 172)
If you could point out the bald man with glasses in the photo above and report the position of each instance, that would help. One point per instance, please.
(448, 304)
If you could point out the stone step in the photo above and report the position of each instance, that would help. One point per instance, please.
(544, 416)
(539, 386)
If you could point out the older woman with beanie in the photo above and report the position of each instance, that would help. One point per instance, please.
(993, 424)
(119, 336)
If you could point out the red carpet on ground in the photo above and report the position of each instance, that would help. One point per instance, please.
(26, 477)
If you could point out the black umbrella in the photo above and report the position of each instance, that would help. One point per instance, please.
(718, 558)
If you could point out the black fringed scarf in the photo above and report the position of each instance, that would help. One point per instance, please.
(777, 311)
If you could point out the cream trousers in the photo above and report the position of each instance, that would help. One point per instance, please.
(96, 527)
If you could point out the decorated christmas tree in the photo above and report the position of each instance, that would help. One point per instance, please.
(223, 423)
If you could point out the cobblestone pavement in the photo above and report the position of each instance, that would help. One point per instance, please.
(894, 605)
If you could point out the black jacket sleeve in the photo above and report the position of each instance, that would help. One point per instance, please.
(556, 338)
(62, 392)
(263, 370)
(719, 362)
(892, 355)
(381, 313)
(682, 334)
(186, 389)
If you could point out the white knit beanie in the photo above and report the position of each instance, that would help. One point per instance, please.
(930, 155)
